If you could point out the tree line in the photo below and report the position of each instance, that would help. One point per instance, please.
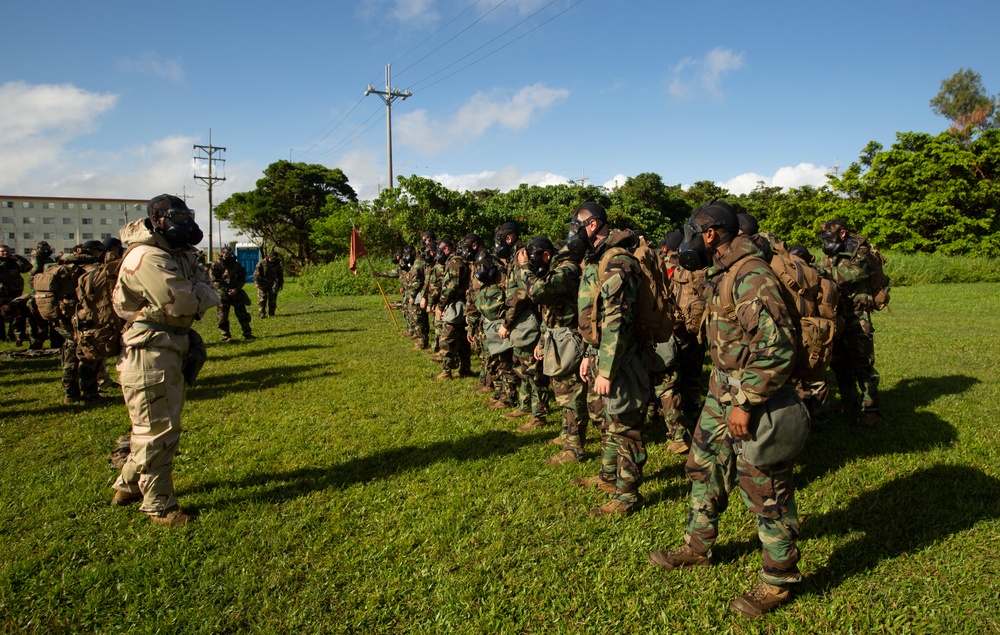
(926, 193)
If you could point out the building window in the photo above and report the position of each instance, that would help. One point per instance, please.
(86, 206)
(27, 251)
(67, 250)
(70, 236)
(86, 221)
(87, 236)
(48, 205)
(28, 220)
(105, 221)
(27, 235)
(121, 221)
(121, 207)
(140, 207)
(47, 236)
(8, 220)
(27, 204)
(67, 221)
(69, 205)
(48, 221)
(105, 236)
(10, 235)
(7, 204)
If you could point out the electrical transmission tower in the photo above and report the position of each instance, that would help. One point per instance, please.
(207, 154)
(388, 96)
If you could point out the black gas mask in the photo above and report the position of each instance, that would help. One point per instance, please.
(228, 255)
(407, 260)
(440, 257)
(487, 271)
(501, 249)
(579, 242)
(536, 259)
(693, 253)
(180, 230)
(833, 244)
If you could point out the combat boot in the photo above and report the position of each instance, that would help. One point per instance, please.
(678, 446)
(557, 441)
(122, 498)
(564, 457)
(681, 558)
(534, 422)
(761, 599)
(870, 419)
(249, 336)
(172, 517)
(516, 414)
(484, 390)
(608, 487)
(445, 375)
(616, 507)
(227, 338)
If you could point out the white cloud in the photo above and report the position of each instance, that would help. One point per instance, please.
(419, 131)
(28, 112)
(614, 183)
(785, 178)
(412, 13)
(152, 64)
(504, 180)
(704, 74)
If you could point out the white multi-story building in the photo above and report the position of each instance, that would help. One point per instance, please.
(64, 223)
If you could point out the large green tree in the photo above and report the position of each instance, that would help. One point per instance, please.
(286, 203)
(647, 204)
(964, 101)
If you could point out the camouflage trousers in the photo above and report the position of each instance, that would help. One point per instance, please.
(411, 326)
(421, 325)
(456, 348)
(853, 364)
(623, 453)
(715, 467)
(571, 396)
(500, 375)
(79, 374)
(222, 316)
(438, 324)
(533, 387)
(267, 301)
(678, 392)
(149, 369)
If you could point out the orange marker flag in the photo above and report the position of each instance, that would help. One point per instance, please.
(357, 250)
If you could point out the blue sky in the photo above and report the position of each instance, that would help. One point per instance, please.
(107, 98)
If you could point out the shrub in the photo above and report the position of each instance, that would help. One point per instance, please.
(335, 279)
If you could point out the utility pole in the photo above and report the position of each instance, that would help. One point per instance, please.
(388, 96)
(207, 154)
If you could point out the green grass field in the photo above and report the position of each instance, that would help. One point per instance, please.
(337, 490)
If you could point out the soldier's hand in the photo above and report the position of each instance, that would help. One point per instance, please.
(538, 353)
(423, 303)
(584, 367)
(602, 386)
(739, 423)
(522, 256)
(231, 292)
(503, 332)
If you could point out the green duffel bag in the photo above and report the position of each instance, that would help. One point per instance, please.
(526, 329)
(661, 358)
(778, 429)
(494, 343)
(454, 313)
(562, 351)
(630, 389)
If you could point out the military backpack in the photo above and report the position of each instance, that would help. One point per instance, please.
(55, 291)
(97, 329)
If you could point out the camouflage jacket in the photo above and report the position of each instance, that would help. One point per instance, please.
(750, 335)
(417, 278)
(688, 290)
(490, 303)
(432, 286)
(454, 282)
(160, 284)
(555, 294)
(472, 317)
(516, 291)
(850, 269)
(615, 301)
(269, 275)
(11, 280)
(227, 275)
(38, 262)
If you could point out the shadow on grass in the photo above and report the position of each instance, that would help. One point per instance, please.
(313, 312)
(316, 332)
(903, 516)
(281, 486)
(905, 427)
(215, 386)
(274, 350)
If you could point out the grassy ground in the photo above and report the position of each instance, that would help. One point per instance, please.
(337, 490)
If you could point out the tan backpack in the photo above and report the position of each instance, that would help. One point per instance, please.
(97, 329)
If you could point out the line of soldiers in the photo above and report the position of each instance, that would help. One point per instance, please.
(560, 320)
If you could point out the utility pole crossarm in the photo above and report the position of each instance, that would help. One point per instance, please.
(207, 154)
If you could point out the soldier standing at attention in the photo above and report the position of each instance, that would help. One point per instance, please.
(847, 261)
(617, 380)
(229, 277)
(161, 290)
(752, 346)
(269, 278)
(455, 348)
(11, 285)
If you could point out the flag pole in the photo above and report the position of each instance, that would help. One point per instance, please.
(379, 285)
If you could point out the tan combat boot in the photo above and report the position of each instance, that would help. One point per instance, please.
(172, 517)
(122, 499)
(534, 422)
(444, 376)
(616, 507)
(680, 558)
(761, 599)
(678, 446)
(566, 456)
(596, 481)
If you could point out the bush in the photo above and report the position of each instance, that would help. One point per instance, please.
(335, 279)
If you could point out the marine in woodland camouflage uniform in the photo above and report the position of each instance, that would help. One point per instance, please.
(79, 374)
(161, 290)
(432, 292)
(269, 278)
(468, 248)
(11, 286)
(490, 306)
(229, 277)
(40, 329)
(552, 280)
(455, 348)
(751, 340)
(848, 262)
(415, 296)
(617, 381)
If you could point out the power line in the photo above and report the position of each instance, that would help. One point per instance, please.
(207, 153)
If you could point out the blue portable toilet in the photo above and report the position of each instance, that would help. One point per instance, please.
(248, 255)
